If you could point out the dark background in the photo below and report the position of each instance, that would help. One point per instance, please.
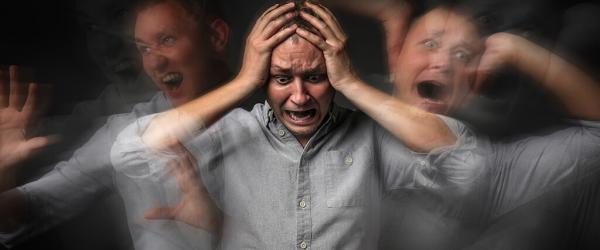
(45, 36)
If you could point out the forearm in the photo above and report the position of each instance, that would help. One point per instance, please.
(12, 209)
(576, 91)
(186, 120)
(395, 25)
(394, 17)
(210, 107)
(419, 130)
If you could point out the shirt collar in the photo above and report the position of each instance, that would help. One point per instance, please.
(271, 122)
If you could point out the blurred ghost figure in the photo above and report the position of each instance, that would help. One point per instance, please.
(522, 166)
(83, 180)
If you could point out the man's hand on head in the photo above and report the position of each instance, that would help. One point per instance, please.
(394, 16)
(266, 34)
(332, 41)
(501, 50)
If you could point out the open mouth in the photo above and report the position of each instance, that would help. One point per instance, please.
(433, 90)
(301, 116)
(172, 80)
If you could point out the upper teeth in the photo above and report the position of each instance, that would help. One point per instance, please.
(300, 114)
(172, 78)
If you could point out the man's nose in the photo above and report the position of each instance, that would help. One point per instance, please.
(299, 95)
(439, 60)
(156, 61)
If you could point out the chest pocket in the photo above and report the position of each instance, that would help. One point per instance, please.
(350, 178)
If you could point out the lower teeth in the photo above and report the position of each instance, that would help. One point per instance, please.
(300, 115)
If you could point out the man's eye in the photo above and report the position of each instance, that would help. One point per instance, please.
(144, 49)
(168, 41)
(315, 78)
(462, 55)
(430, 44)
(282, 79)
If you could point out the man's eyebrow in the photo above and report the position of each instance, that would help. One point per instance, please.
(281, 70)
(435, 33)
(316, 71)
(464, 44)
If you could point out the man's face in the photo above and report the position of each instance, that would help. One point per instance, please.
(298, 89)
(437, 64)
(107, 24)
(174, 51)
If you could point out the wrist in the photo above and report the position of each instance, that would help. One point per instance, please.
(247, 82)
(393, 12)
(519, 48)
(347, 85)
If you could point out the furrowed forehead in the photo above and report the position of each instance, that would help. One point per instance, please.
(297, 56)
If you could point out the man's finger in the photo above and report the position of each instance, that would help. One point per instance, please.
(276, 25)
(268, 17)
(323, 28)
(4, 88)
(281, 35)
(481, 76)
(32, 100)
(329, 19)
(33, 145)
(313, 38)
(268, 11)
(161, 213)
(37, 143)
(15, 99)
(257, 25)
(485, 68)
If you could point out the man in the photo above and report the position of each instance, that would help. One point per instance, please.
(298, 171)
(184, 57)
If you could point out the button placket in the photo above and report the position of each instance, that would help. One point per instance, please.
(302, 204)
(303, 209)
(348, 161)
(303, 245)
(280, 132)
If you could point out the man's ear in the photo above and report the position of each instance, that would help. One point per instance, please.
(219, 35)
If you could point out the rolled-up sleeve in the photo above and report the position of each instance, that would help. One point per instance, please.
(144, 181)
(450, 170)
(131, 157)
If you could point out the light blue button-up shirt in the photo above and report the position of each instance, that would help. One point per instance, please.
(277, 194)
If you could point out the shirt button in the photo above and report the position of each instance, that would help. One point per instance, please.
(348, 160)
(422, 162)
(281, 132)
(302, 204)
(303, 245)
